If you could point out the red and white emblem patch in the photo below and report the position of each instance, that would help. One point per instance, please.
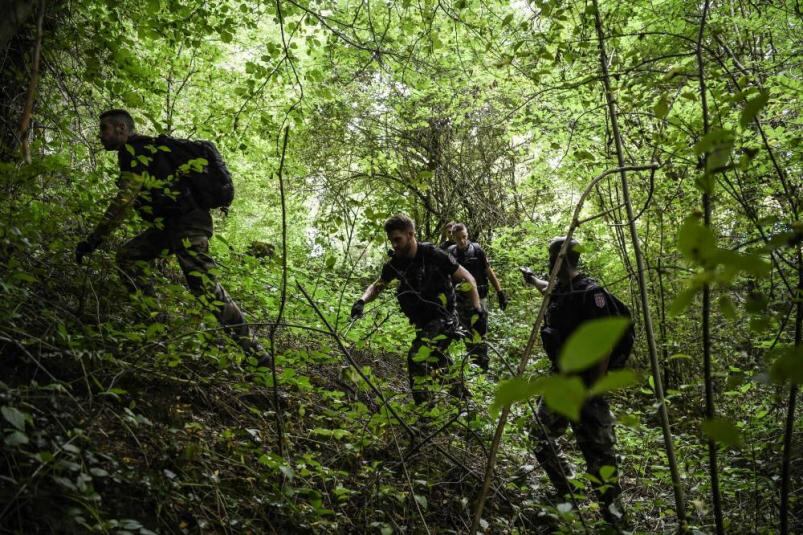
(599, 299)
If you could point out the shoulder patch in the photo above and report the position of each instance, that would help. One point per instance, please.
(599, 299)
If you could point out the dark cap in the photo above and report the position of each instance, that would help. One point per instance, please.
(572, 253)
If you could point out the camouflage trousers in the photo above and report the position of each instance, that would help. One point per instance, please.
(476, 347)
(192, 252)
(596, 439)
(427, 356)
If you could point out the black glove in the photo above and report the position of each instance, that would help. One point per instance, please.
(481, 323)
(86, 247)
(500, 295)
(529, 276)
(357, 309)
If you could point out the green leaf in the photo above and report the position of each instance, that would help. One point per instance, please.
(752, 107)
(421, 501)
(422, 354)
(614, 380)
(788, 367)
(14, 417)
(682, 301)
(680, 356)
(695, 241)
(591, 342)
(727, 308)
(661, 107)
(723, 431)
(607, 472)
(16, 438)
(514, 390)
(565, 395)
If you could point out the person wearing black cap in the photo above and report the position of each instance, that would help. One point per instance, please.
(576, 299)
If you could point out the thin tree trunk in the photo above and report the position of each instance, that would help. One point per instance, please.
(642, 283)
(710, 410)
(790, 409)
(27, 110)
(662, 306)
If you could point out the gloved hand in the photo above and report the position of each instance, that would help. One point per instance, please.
(529, 276)
(86, 247)
(480, 324)
(500, 295)
(357, 309)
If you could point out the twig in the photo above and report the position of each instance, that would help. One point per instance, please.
(409, 482)
(410, 432)
(275, 326)
(353, 364)
(27, 110)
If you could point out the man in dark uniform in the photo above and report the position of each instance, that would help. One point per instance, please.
(425, 295)
(149, 183)
(470, 255)
(446, 235)
(576, 299)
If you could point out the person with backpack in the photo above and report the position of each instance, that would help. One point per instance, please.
(576, 299)
(471, 256)
(425, 293)
(172, 184)
(446, 236)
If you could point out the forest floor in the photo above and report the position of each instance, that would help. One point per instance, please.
(114, 426)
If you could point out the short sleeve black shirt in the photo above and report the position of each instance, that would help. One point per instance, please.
(425, 289)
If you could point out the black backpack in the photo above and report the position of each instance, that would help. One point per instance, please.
(202, 165)
(623, 348)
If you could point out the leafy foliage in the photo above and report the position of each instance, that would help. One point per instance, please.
(135, 414)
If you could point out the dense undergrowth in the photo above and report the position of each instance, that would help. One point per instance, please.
(126, 415)
(118, 420)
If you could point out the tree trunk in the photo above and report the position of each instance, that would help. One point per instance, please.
(640, 272)
(27, 110)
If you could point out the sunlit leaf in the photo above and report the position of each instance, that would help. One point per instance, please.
(591, 342)
(565, 395)
(513, 391)
(614, 380)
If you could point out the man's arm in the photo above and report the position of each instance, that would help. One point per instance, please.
(500, 295)
(462, 275)
(531, 279)
(373, 290)
(368, 295)
(492, 277)
(130, 186)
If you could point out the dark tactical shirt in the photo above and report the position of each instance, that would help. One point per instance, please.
(571, 305)
(425, 289)
(149, 184)
(473, 258)
(445, 244)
